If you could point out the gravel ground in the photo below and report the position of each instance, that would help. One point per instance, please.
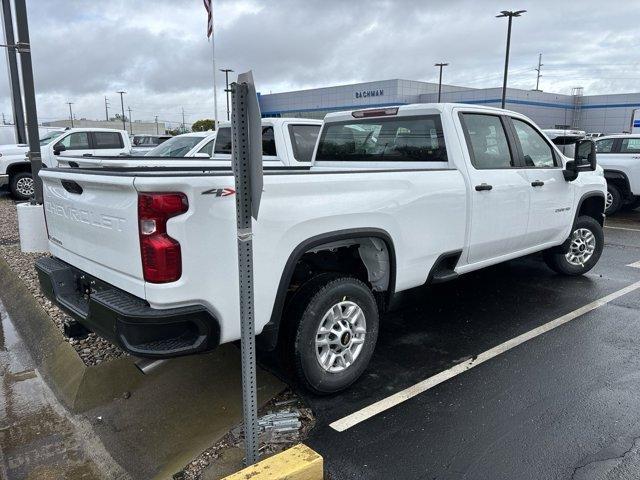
(92, 349)
(287, 401)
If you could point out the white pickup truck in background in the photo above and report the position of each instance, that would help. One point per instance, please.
(395, 198)
(619, 156)
(286, 142)
(15, 168)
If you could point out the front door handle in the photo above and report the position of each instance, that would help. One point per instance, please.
(87, 154)
(537, 183)
(483, 187)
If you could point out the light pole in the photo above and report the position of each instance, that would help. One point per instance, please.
(70, 113)
(156, 124)
(509, 14)
(440, 65)
(226, 88)
(106, 109)
(124, 123)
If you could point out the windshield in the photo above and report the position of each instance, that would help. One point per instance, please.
(175, 147)
(44, 140)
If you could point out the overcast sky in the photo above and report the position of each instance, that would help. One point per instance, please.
(157, 50)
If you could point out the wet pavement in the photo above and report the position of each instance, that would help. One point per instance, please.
(38, 439)
(562, 405)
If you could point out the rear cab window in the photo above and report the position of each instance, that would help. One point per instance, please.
(390, 139)
(303, 141)
(223, 142)
(630, 145)
(107, 140)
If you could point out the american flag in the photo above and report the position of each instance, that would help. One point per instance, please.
(208, 5)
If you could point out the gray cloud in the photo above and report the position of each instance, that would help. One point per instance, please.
(156, 50)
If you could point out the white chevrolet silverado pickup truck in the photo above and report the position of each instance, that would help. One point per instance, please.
(15, 167)
(395, 198)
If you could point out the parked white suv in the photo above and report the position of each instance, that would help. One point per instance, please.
(15, 167)
(619, 156)
(396, 198)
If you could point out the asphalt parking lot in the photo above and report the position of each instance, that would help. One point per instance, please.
(561, 405)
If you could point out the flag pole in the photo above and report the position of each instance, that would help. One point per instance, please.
(215, 86)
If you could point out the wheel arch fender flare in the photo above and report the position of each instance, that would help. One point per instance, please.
(271, 329)
(619, 177)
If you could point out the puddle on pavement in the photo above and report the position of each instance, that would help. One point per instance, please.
(38, 440)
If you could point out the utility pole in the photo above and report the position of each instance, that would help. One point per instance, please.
(124, 122)
(156, 124)
(226, 88)
(183, 125)
(538, 70)
(3, 121)
(440, 65)
(509, 14)
(130, 124)
(28, 87)
(106, 108)
(14, 75)
(70, 113)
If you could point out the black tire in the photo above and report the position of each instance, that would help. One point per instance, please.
(307, 309)
(615, 197)
(16, 185)
(632, 204)
(557, 260)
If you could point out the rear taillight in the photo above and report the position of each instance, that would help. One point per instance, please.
(161, 256)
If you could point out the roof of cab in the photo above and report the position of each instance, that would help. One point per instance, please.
(415, 108)
(280, 120)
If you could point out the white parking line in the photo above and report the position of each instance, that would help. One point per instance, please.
(623, 228)
(404, 395)
(634, 264)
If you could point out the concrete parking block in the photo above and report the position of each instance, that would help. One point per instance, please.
(296, 463)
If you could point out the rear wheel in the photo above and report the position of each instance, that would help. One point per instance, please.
(614, 200)
(583, 252)
(21, 186)
(333, 329)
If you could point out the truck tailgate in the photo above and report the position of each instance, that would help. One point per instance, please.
(92, 221)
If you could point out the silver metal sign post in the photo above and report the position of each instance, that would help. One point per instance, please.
(246, 152)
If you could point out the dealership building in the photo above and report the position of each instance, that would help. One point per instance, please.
(592, 113)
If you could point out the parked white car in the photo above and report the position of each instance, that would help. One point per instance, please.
(619, 156)
(15, 168)
(395, 198)
(141, 144)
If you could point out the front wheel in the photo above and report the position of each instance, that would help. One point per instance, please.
(334, 329)
(21, 186)
(585, 247)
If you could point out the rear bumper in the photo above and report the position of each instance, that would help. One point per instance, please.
(124, 319)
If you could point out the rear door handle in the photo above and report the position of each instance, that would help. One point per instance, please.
(87, 154)
(483, 187)
(537, 183)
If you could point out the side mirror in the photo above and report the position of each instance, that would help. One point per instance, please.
(201, 155)
(58, 148)
(584, 159)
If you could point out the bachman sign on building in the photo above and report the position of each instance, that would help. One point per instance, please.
(369, 93)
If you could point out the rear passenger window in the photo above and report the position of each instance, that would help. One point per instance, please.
(630, 145)
(536, 152)
(487, 141)
(397, 139)
(604, 146)
(268, 142)
(104, 140)
(223, 141)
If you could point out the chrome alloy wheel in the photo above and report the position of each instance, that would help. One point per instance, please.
(583, 244)
(340, 336)
(24, 186)
(608, 201)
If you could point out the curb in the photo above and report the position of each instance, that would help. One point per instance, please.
(77, 386)
(296, 463)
